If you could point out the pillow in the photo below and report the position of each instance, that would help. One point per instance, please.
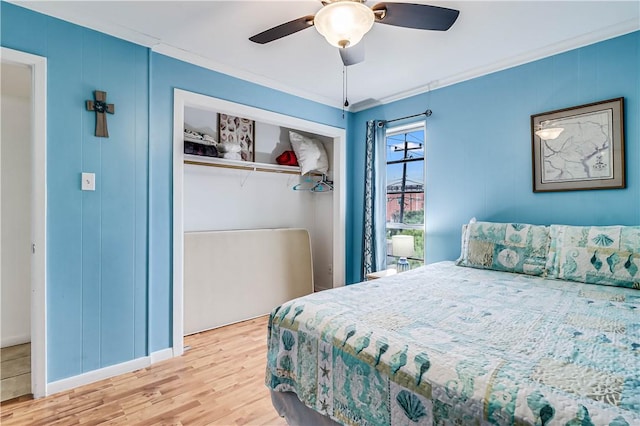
(287, 158)
(550, 268)
(509, 247)
(608, 255)
(310, 153)
(464, 241)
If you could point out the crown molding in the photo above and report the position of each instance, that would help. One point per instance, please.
(156, 45)
(618, 30)
(195, 59)
(110, 28)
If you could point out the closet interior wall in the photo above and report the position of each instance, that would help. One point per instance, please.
(219, 198)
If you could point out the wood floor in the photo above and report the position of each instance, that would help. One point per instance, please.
(218, 381)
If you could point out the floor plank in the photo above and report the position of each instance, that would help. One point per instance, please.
(218, 381)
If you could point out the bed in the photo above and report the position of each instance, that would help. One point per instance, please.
(546, 333)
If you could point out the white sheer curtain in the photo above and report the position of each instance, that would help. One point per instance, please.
(374, 241)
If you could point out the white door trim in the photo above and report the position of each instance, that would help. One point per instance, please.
(182, 98)
(38, 66)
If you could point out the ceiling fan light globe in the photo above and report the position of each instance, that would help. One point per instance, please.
(344, 23)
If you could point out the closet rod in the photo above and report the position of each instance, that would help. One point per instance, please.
(426, 113)
(248, 167)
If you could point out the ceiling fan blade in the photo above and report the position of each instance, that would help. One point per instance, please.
(283, 30)
(352, 55)
(419, 16)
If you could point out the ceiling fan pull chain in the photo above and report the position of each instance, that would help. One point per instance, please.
(344, 90)
(344, 86)
(343, 97)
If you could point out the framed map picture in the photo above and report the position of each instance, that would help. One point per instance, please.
(579, 148)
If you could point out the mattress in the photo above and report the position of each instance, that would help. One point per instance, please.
(445, 344)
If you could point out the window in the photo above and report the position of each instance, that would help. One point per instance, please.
(405, 192)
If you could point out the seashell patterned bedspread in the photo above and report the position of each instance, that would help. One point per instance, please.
(449, 345)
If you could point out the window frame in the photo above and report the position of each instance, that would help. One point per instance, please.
(399, 130)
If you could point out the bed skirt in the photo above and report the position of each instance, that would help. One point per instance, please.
(296, 413)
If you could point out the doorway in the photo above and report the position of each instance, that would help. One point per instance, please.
(23, 224)
(15, 191)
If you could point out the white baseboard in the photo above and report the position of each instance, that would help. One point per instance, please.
(108, 372)
(161, 355)
(14, 340)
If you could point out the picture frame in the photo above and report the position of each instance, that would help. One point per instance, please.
(579, 148)
(236, 137)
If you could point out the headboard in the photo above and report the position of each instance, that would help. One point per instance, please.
(231, 276)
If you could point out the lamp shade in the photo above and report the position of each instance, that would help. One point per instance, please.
(549, 133)
(343, 23)
(547, 130)
(402, 245)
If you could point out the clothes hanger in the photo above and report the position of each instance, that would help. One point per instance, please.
(306, 185)
(323, 185)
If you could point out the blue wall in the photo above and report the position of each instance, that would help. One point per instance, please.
(478, 148)
(109, 251)
(96, 241)
(167, 74)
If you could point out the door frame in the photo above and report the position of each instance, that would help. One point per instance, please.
(182, 98)
(38, 65)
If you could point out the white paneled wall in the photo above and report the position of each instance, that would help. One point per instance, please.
(219, 199)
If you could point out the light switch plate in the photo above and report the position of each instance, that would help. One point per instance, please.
(88, 181)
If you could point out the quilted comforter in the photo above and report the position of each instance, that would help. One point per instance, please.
(445, 344)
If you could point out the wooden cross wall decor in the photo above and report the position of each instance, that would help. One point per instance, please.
(101, 107)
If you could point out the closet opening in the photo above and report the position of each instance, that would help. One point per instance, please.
(249, 190)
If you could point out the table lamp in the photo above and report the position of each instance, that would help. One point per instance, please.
(402, 246)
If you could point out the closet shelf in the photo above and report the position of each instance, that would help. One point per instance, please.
(236, 164)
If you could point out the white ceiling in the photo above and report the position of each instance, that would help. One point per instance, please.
(487, 36)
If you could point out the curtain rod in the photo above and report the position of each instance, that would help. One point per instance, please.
(383, 122)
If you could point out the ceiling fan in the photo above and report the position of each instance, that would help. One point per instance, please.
(343, 23)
